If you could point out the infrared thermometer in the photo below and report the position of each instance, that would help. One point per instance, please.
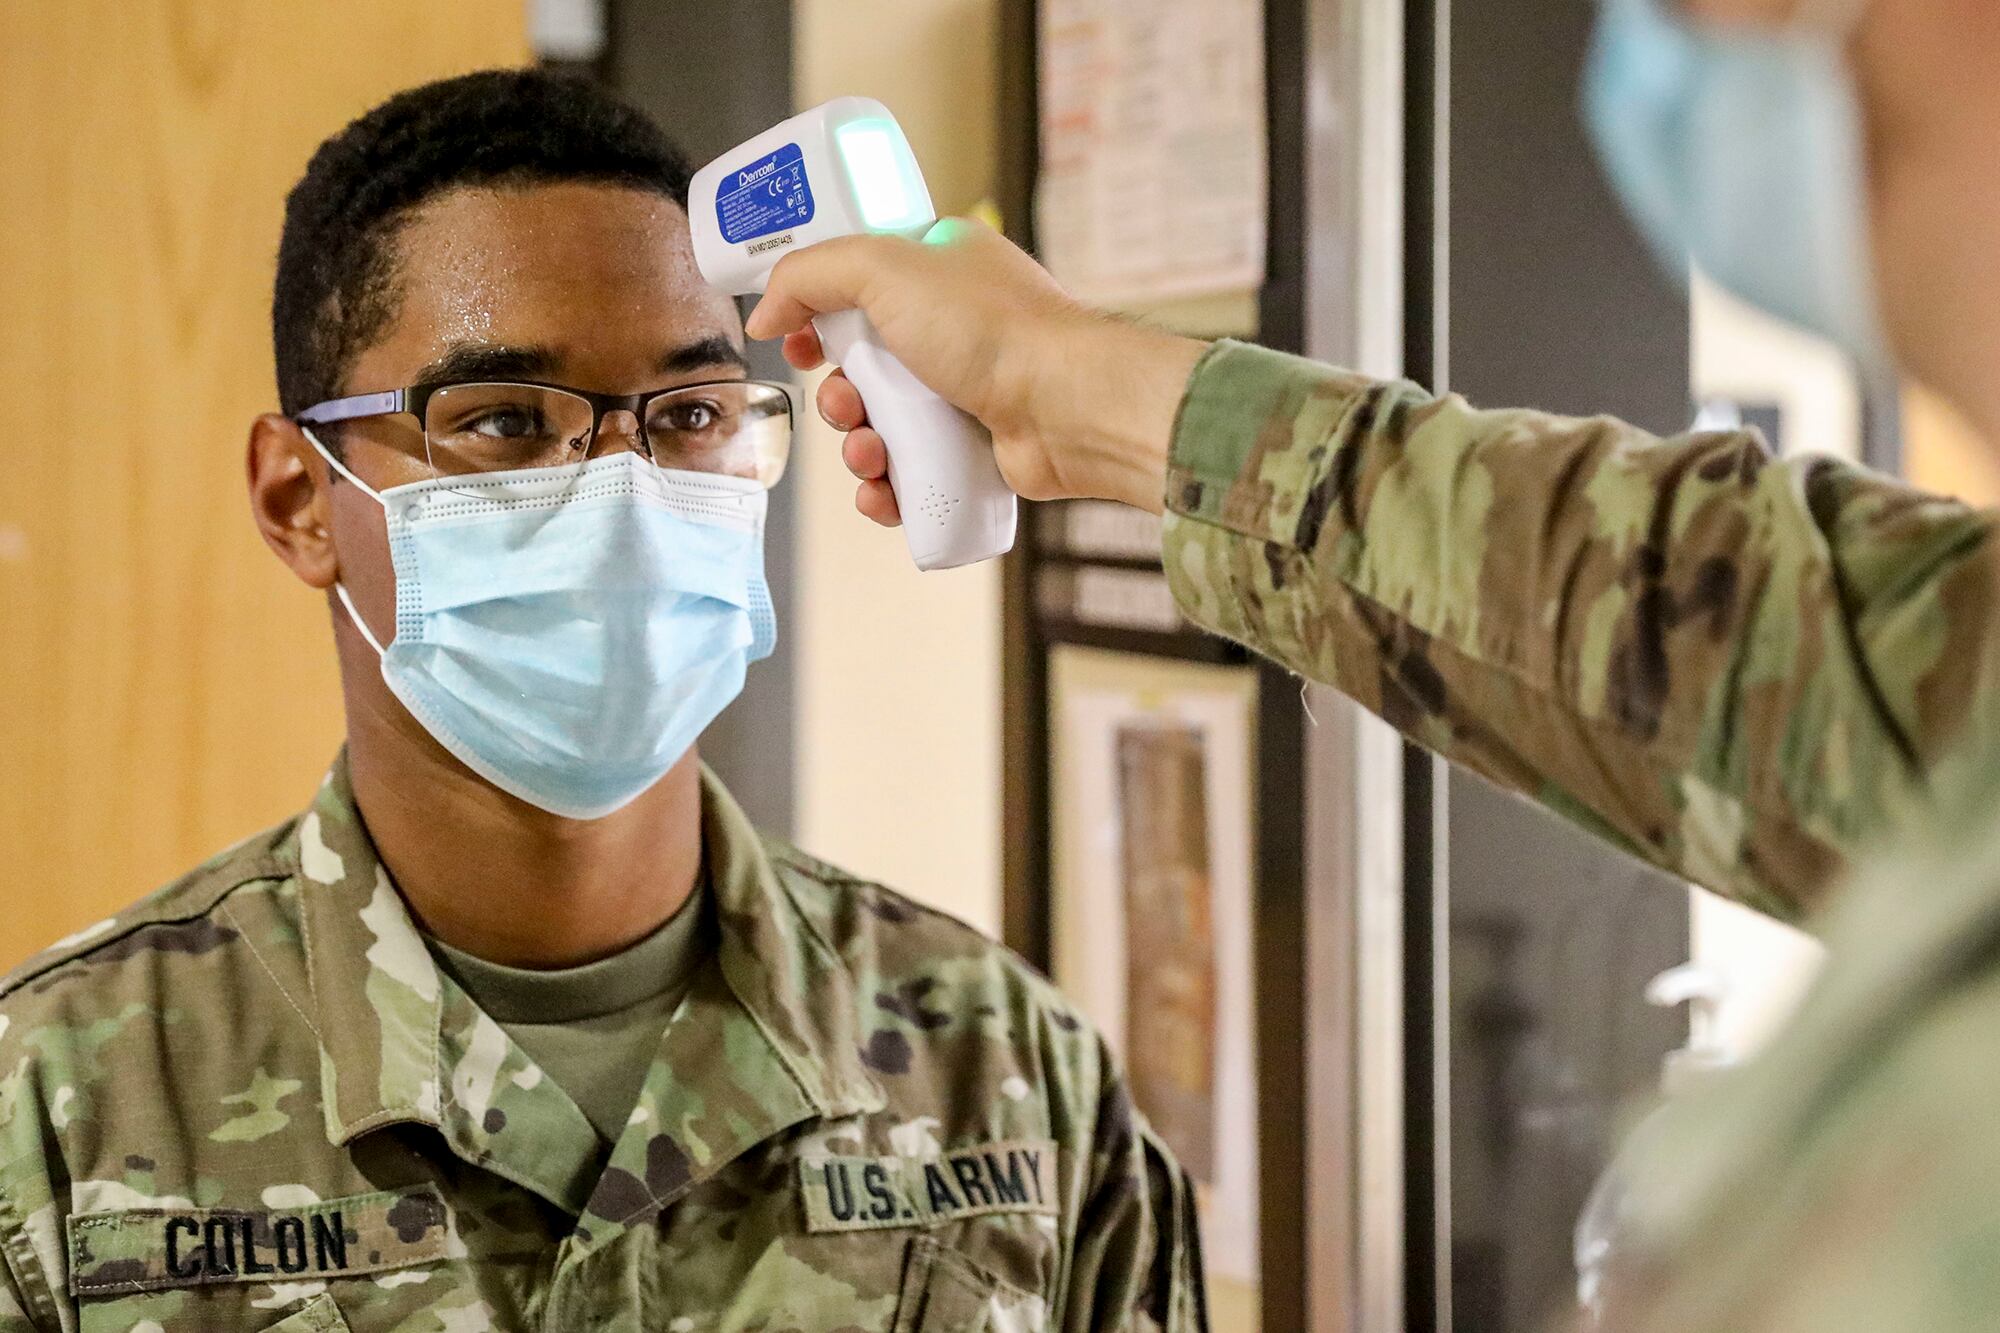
(838, 170)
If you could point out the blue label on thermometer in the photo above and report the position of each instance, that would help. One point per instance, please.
(769, 195)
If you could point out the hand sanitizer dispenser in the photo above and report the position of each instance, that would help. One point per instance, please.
(1603, 1226)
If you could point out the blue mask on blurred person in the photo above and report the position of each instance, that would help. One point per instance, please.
(1743, 151)
(568, 633)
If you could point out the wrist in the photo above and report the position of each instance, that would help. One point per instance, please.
(1112, 419)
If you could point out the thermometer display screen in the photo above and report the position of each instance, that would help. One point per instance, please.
(878, 163)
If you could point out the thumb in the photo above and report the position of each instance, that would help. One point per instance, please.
(833, 275)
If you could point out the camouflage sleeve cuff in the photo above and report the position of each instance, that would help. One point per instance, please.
(1237, 397)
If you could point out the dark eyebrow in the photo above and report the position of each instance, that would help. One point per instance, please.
(471, 362)
(700, 355)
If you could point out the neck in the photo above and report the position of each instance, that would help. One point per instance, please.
(504, 880)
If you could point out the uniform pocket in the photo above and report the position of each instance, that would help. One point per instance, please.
(945, 1292)
(318, 1315)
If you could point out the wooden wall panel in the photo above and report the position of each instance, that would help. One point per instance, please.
(166, 687)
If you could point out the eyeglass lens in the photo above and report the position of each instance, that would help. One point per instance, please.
(733, 429)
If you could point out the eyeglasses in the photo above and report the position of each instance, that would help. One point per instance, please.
(737, 428)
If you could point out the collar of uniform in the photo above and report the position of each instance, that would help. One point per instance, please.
(792, 982)
(377, 996)
(364, 956)
(766, 1038)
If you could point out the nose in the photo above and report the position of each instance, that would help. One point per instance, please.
(619, 433)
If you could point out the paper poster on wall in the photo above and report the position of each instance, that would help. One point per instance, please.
(1170, 962)
(1153, 820)
(1153, 157)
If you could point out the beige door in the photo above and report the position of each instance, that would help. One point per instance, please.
(166, 687)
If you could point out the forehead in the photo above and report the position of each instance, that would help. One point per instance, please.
(602, 275)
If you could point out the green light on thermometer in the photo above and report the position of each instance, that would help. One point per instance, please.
(880, 165)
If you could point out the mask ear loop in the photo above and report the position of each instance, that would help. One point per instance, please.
(339, 588)
(340, 467)
(340, 591)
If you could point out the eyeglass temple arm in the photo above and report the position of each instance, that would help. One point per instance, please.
(347, 409)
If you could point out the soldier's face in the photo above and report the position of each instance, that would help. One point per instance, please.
(1928, 75)
(585, 285)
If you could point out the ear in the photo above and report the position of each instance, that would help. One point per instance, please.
(289, 498)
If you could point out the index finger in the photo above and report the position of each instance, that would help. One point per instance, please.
(832, 275)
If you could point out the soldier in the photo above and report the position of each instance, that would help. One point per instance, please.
(520, 1024)
(1771, 677)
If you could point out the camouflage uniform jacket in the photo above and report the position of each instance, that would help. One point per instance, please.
(253, 1102)
(1759, 674)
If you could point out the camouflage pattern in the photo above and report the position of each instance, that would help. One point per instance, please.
(1759, 674)
(1737, 668)
(1849, 1177)
(254, 1102)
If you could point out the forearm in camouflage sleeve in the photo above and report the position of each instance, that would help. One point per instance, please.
(1735, 668)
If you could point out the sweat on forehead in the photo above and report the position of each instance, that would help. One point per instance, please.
(561, 267)
(335, 280)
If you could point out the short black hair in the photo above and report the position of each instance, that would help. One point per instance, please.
(337, 275)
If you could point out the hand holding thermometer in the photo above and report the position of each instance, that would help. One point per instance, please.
(837, 170)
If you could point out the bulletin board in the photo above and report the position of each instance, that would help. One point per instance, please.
(1151, 187)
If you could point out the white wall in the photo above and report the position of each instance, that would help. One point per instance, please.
(1742, 353)
(899, 672)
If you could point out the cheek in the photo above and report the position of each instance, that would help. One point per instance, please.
(1919, 244)
(361, 545)
(1928, 101)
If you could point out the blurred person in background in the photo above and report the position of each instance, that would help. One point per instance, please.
(520, 1024)
(1774, 678)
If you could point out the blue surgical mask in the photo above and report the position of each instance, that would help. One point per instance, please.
(568, 633)
(1744, 152)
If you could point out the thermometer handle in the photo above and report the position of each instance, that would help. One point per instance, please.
(956, 507)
